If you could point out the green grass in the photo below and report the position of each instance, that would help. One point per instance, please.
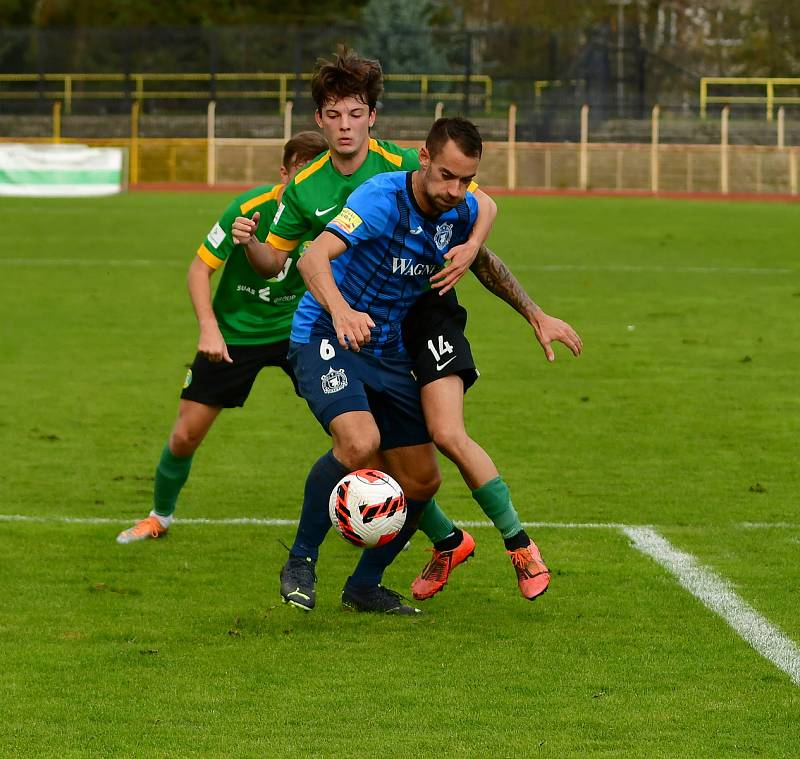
(180, 646)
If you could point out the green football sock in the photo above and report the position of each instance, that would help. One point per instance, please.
(171, 474)
(495, 500)
(435, 523)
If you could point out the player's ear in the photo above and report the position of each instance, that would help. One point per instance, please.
(372, 116)
(318, 117)
(284, 174)
(424, 158)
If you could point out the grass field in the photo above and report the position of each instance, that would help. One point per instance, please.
(682, 414)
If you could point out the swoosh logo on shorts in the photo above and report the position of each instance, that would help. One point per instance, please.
(322, 213)
(439, 367)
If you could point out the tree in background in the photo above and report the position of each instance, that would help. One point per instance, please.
(400, 34)
(771, 45)
(667, 43)
(137, 13)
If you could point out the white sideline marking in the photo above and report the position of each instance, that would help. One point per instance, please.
(553, 525)
(264, 522)
(702, 583)
(718, 596)
(655, 269)
(278, 522)
(109, 520)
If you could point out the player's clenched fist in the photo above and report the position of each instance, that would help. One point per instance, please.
(352, 327)
(244, 229)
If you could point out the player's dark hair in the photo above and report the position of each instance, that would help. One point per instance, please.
(464, 133)
(303, 147)
(347, 75)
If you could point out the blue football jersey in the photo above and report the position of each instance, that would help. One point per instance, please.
(393, 248)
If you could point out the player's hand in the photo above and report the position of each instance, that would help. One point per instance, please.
(243, 230)
(459, 260)
(549, 329)
(212, 345)
(352, 328)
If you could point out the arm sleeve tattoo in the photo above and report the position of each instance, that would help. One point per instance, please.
(496, 277)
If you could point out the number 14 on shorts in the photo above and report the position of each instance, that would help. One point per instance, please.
(439, 350)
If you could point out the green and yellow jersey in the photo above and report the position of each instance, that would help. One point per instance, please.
(318, 192)
(251, 310)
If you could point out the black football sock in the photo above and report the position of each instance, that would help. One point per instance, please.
(369, 571)
(314, 519)
(453, 540)
(520, 540)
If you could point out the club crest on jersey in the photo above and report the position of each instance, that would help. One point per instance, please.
(444, 233)
(348, 221)
(334, 381)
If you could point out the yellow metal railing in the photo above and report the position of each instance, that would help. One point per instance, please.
(140, 87)
(768, 84)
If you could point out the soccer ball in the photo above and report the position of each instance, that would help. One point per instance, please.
(367, 508)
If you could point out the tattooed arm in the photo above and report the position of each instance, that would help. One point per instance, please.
(496, 277)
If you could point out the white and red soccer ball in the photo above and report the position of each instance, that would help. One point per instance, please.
(367, 508)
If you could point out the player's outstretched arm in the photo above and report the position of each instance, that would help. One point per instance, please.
(496, 277)
(265, 260)
(352, 327)
(461, 257)
(211, 343)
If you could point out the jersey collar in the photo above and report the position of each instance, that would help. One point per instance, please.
(410, 191)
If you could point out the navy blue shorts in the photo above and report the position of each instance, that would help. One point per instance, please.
(334, 381)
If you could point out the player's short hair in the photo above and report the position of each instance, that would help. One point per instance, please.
(347, 75)
(464, 133)
(303, 147)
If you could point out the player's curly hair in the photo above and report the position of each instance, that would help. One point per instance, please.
(347, 75)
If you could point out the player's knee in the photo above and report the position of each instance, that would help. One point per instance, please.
(423, 485)
(184, 441)
(451, 442)
(357, 452)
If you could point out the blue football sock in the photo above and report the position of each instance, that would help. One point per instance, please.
(370, 568)
(314, 519)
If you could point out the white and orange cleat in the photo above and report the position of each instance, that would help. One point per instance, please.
(533, 576)
(147, 529)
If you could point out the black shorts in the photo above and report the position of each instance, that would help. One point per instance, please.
(433, 333)
(228, 385)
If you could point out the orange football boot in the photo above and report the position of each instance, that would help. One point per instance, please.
(435, 573)
(147, 528)
(532, 574)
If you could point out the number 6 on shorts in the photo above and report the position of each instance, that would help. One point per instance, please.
(326, 350)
